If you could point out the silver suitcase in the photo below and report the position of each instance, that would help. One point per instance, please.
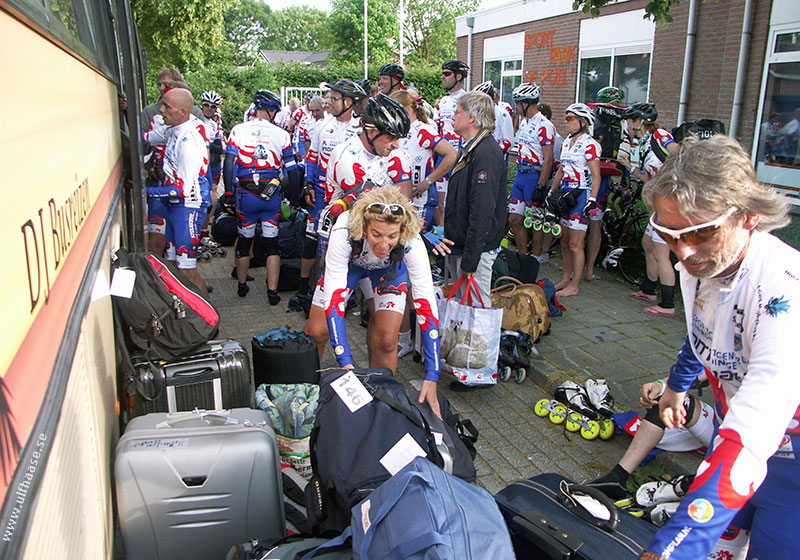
(191, 483)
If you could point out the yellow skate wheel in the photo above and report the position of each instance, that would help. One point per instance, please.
(556, 230)
(592, 432)
(539, 408)
(573, 423)
(559, 414)
(606, 429)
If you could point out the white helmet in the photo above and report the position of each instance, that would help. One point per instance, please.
(526, 92)
(582, 110)
(211, 97)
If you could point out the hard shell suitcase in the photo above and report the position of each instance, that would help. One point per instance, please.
(191, 483)
(217, 376)
(547, 521)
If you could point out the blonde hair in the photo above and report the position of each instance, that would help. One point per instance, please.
(359, 218)
(409, 101)
(711, 176)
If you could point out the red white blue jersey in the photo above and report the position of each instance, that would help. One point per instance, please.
(503, 129)
(352, 164)
(301, 113)
(507, 108)
(534, 133)
(575, 161)
(419, 145)
(185, 160)
(328, 133)
(260, 148)
(743, 334)
(213, 130)
(447, 110)
(343, 270)
(282, 117)
(648, 161)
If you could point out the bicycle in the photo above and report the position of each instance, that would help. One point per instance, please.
(624, 224)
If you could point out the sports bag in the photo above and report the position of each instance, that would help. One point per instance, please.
(607, 129)
(166, 315)
(423, 513)
(524, 306)
(347, 447)
(702, 128)
(513, 263)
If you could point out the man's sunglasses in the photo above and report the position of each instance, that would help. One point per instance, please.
(692, 235)
(447, 73)
(381, 208)
(209, 105)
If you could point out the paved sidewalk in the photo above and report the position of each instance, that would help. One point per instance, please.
(603, 333)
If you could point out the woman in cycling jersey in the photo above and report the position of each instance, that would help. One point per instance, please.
(377, 244)
(573, 195)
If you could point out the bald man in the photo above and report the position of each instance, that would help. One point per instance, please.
(185, 166)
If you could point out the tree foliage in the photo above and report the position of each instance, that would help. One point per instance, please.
(657, 10)
(297, 28)
(430, 28)
(246, 22)
(180, 33)
(347, 30)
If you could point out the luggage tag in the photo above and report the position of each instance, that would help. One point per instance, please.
(401, 454)
(351, 391)
(122, 283)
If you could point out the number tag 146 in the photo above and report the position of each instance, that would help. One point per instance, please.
(351, 391)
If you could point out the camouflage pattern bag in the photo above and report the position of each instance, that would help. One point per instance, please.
(524, 306)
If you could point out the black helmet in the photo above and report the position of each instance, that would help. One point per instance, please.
(485, 87)
(456, 67)
(393, 70)
(365, 85)
(647, 111)
(348, 88)
(386, 115)
(265, 99)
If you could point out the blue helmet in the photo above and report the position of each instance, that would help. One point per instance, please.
(265, 100)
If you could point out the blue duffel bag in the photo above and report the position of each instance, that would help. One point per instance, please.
(422, 513)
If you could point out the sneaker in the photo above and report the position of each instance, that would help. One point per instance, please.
(404, 347)
(653, 493)
(600, 397)
(575, 397)
(662, 513)
(273, 297)
(243, 289)
(544, 258)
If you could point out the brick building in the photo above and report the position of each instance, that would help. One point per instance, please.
(755, 43)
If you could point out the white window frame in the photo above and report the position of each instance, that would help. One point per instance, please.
(613, 52)
(503, 72)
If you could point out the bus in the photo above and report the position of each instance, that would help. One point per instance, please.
(73, 195)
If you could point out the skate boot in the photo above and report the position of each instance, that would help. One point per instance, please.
(655, 493)
(575, 397)
(600, 396)
(662, 513)
(212, 247)
(505, 359)
(551, 224)
(536, 218)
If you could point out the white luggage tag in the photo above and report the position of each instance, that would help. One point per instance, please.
(351, 391)
(401, 454)
(122, 283)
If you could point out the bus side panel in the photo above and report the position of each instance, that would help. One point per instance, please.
(74, 514)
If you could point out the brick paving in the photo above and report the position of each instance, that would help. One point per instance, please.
(603, 333)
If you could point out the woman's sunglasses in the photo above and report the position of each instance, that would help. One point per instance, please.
(209, 105)
(381, 208)
(692, 235)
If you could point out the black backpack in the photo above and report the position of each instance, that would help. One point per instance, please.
(166, 315)
(607, 129)
(702, 128)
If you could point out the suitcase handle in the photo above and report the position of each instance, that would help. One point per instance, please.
(544, 536)
(566, 499)
(213, 418)
(191, 375)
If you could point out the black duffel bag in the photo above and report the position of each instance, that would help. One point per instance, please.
(282, 355)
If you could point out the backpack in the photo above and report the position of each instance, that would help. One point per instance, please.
(347, 447)
(554, 307)
(291, 235)
(424, 513)
(166, 315)
(513, 263)
(607, 129)
(702, 128)
(524, 306)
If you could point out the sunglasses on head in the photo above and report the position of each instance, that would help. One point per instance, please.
(692, 235)
(381, 208)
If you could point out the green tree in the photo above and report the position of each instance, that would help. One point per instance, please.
(180, 33)
(430, 28)
(297, 28)
(246, 22)
(347, 30)
(657, 10)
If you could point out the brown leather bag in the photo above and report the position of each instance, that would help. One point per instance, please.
(524, 306)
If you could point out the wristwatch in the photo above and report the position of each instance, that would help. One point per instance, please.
(428, 181)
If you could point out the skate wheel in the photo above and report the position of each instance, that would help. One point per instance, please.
(559, 414)
(557, 230)
(606, 429)
(416, 357)
(505, 373)
(527, 222)
(519, 375)
(545, 228)
(537, 226)
(592, 431)
(223, 252)
(203, 256)
(539, 409)
(573, 423)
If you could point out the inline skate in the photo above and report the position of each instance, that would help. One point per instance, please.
(571, 407)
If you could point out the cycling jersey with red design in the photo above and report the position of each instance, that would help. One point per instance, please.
(419, 145)
(575, 161)
(352, 164)
(534, 133)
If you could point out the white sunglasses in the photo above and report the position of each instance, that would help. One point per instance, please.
(692, 235)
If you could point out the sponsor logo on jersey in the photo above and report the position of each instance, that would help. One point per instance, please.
(339, 350)
(701, 510)
(777, 305)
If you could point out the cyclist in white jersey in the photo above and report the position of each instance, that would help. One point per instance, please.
(390, 78)
(503, 124)
(454, 72)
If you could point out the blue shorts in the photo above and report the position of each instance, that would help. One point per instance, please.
(157, 209)
(314, 211)
(602, 198)
(252, 209)
(522, 191)
(425, 214)
(183, 233)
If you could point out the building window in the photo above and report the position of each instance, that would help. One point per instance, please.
(628, 71)
(777, 144)
(504, 74)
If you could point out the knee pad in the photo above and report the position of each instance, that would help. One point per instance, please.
(310, 247)
(271, 246)
(654, 417)
(243, 246)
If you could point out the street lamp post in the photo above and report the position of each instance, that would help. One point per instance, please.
(365, 40)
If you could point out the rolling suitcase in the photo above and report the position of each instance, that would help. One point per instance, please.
(550, 517)
(191, 483)
(217, 376)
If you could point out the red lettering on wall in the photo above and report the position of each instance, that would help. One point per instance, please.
(540, 39)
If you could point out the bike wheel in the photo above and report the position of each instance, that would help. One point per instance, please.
(632, 263)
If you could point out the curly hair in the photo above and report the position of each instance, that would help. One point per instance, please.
(360, 218)
(708, 177)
